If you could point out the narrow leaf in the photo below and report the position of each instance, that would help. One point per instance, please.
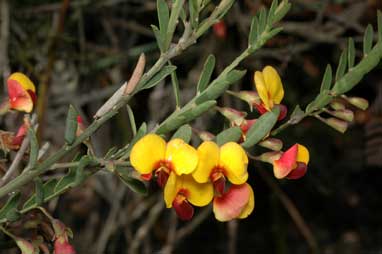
(10, 205)
(158, 37)
(163, 16)
(262, 20)
(232, 134)
(162, 74)
(341, 65)
(175, 12)
(379, 22)
(175, 88)
(33, 154)
(131, 182)
(253, 33)
(39, 190)
(71, 125)
(351, 53)
(193, 6)
(261, 128)
(281, 11)
(271, 12)
(131, 119)
(206, 74)
(48, 193)
(368, 39)
(327, 79)
(184, 133)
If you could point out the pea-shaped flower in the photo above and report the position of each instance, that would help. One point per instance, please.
(181, 192)
(293, 163)
(151, 154)
(21, 92)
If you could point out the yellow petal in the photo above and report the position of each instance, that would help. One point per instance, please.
(261, 88)
(184, 157)
(199, 194)
(273, 83)
(208, 153)
(170, 189)
(250, 205)
(24, 81)
(302, 154)
(147, 152)
(234, 160)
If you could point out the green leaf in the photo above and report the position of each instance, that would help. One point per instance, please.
(131, 119)
(341, 69)
(163, 17)
(110, 153)
(297, 115)
(71, 125)
(262, 20)
(253, 33)
(183, 117)
(39, 190)
(368, 39)
(231, 134)
(281, 11)
(193, 6)
(351, 53)
(261, 128)
(162, 74)
(10, 206)
(379, 23)
(175, 88)
(206, 74)
(184, 133)
(327, 79)
(272, 33)
(33, 154)
(219, 86)
(48, 189)
(158, 37)
(175, 12)
(131, 182)
(271, 12)
(323, 99)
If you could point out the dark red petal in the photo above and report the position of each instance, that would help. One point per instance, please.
(146, 177)
(283, 111)
(183, 209)
(260, 108)
(298, 172)
(162, 176)
(219, 185)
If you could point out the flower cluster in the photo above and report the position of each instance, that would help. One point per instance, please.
(196, 177)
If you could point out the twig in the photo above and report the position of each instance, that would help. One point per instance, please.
(4, 40)
(291, 209)
(232, 236)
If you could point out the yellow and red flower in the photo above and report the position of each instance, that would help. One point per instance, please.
(181, 192)
(270, 90)
(292, 164)
(21, 92)
(152, 154)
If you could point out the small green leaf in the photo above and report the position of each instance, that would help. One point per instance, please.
(184, 133)
(131, 119)
(163, 17)
(194, 6)
(71, 125)
(13, 215)
(162, 74)
(379, 23)
(33, 154)
(327, 79)
(158, 37)
(175, 88)
(261, 128)
(253, 33)
(110, 153)
(10, 205)
(48, 193)
(341, 69)
(323, 99)
(273, 33)
(262, 20)
(297, 115)
(39, 190)
(131, 182)
(281, 11)
(175, 12)
(351, 53)
(206, 74)
(271, 12)
(232, 134)
(368, 39)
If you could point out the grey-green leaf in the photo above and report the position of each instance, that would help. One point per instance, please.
(341, 68)
(368, 39)
(261, 128)
(162, 74)
(33, 154)
(158, 37)
(184, 133)
(262, 20)
(175, 12)
(39, 190)
(71, 125)
(131, 119)
(175, 88)
(379, 22)
(351, 53)
(48, 193)
(327, 79)
(232, 134)
(253, 33)
(271, 12)
(163, 16)
(206, 74)
(10, 205)
(194, 12)
(282, 10)
(131, 182)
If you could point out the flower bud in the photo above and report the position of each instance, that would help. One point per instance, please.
(336, 124)
(251, 97)
(234, 116)
(220, 29)
(336, 105)
(269, 157)
(344, 114)
(273, 144)
(358, 102)
(25, 246)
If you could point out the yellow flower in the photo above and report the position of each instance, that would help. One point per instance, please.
(152, 154)
(216, 164)
(269, 87)
(181, 192)
(21, 92)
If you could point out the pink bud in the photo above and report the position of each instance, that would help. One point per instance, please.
(62, 246)
(272, 144)
(220, 29)
(234, 116)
